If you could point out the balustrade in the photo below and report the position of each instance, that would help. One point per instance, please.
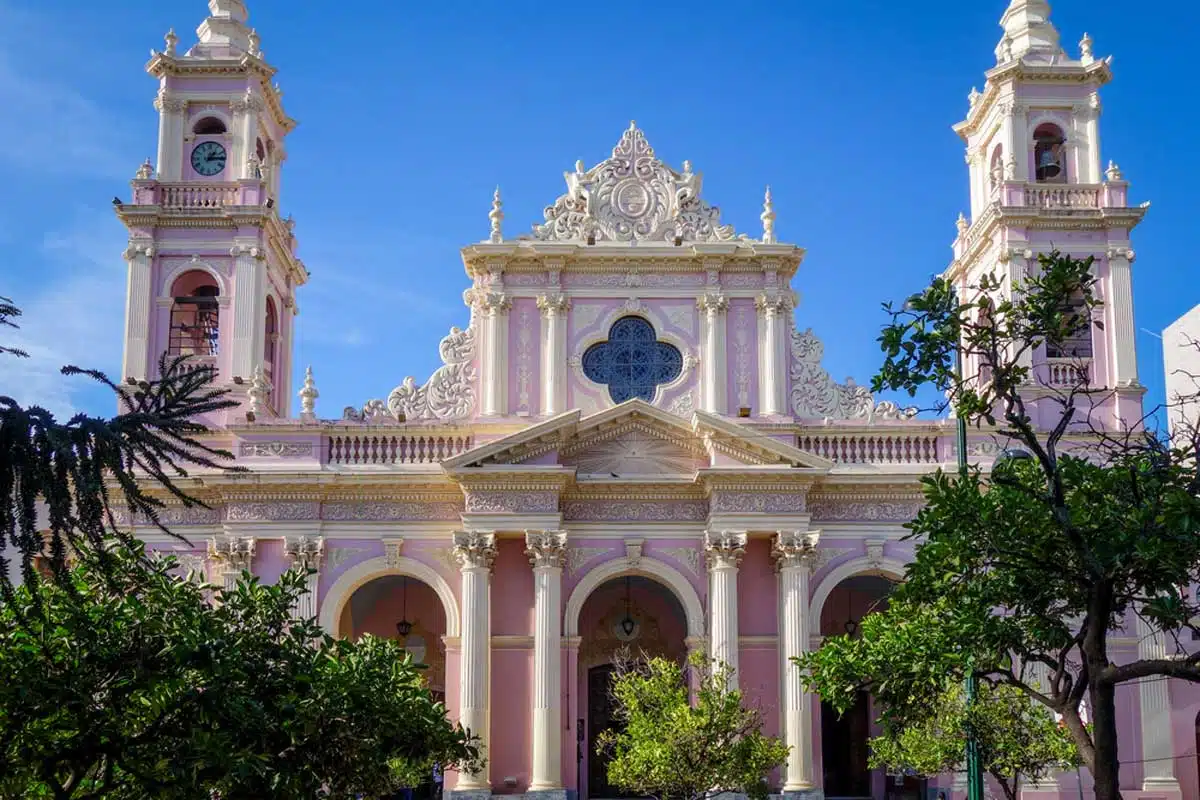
(1065, 196)
(1068, 371)
(384, 449)
(865, 448)
(197, 195)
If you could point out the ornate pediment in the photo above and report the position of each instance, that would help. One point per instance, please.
(632, 197)
(637, 452)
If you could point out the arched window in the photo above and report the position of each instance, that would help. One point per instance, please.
(194, 315)
(271, 337)
(208, 126)
(632, 362)
(1078, 342)
(1049, 154)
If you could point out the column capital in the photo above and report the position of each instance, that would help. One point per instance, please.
(304, 552)
(553, 304)
(1121, 252)
(546, 549)
(795, 549)
(773, 303)
(488, 302)
(475, 549)
(712, 303)
(725, 548)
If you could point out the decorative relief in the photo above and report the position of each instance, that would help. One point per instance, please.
(448, 394)
(640, 511)
(382, 512)
(743, 280)
(586, 314)
(498, 502)
(874, 548)
(445, 557)
(546, 549)
(864, 512)
(742, 353)
(275, 511)
(635, 453)
(758, 503)
(827, 555)
(336, 556)
(392, 551)
(815, 395)
(684, 405)
(683, 318)
(171, 515)
(474, 549)
(689, 556)
(633, 196)
(526, 279)
(276, 449)
(578, 557)
(633, 551)
(524, 359)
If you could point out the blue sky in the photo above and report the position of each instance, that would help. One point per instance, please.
(411, 113)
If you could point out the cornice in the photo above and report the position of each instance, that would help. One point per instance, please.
(503, 478)
(1098, 73)
(526, 257)
(162, 65)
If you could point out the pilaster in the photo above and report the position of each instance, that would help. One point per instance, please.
(249, 309)
(554, 308)
(170, 134)
(305, 553)
(138, 297)
(492, 308)
(547, 554)
(1121, 333)
(725, 550)
(772, 308)
(1158, 750)
(475, 552)
(713, 307)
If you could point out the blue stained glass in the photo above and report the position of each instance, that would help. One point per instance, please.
(632, 363)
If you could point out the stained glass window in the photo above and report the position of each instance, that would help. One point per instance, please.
(632, 363)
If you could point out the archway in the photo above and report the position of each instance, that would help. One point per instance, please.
(845, 737)
(629, 618)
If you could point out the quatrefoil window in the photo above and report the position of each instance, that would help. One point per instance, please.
(632, 363)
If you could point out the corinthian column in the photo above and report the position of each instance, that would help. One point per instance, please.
(475, 552)
(712, 316)
(304, 553)
(1158, 765)
(546, 551)
(772, 310)
(554, 352)
(725, 551)
(229, 556)
(492, 308)
(170, 135)
(795, 556)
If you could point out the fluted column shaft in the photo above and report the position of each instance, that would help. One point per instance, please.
(554, 353)
(712, 309)
(493, 309)
(795, 554)
(475, 553)
(1158, 766)
(772, 310)
(547, 551)
(725, 551)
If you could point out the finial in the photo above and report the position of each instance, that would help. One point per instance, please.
(579, 168)
(255, 41)
(145, 172)
(768, 217)
(973, 97)
(1113, 173)
(308, 397)
(172, 40)
(496, 215)
(257, 394)
(1085, 50)
(962, 223)
(632, 125)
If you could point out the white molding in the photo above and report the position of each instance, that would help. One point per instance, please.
(862, 565)
(646, 567)
(169, 278)
(337, 595)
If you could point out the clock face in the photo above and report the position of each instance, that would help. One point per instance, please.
(208, 158)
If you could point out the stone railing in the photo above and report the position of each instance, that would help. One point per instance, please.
(197, 195)
(872, 448)
(379, 448)
(1068, 372)
(1041, 195)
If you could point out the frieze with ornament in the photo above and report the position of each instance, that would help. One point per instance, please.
(579, 557)
(815, 395)
(525, 279)
(864, 511)
(276, 449)
(171, 515)
(632, 196)
(688, 556)
(387, 511)
(276, 511)
(499, 502)
(724, 502)
(635, 511)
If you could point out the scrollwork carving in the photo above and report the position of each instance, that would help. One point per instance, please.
(815, 395)
(450, 391)
(546, 549)
(500, 502)
(474, 549)
(641, 511)
(276, 449)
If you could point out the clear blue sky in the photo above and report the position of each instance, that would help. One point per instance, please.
(410, 114)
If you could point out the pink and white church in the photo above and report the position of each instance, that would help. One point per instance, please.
(630, 442)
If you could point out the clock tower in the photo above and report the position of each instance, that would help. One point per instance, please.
(212, 266)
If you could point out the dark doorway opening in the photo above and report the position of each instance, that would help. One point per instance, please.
(844, 750)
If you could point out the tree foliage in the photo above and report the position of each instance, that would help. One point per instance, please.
(134, 684)
(669, 747)
(1030, 568)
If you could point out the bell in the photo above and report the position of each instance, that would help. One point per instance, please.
(1048, 166)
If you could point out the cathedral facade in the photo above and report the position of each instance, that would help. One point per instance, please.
(629, 443)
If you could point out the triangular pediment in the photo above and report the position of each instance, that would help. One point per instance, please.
(636, 439)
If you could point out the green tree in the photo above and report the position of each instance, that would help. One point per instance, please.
(80, 468)
(134, 684)
(1031, 567)
(667, 746)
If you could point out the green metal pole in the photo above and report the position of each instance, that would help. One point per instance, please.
(974, 768)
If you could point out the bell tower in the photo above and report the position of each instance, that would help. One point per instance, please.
(1036, 185)
(213, 271)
